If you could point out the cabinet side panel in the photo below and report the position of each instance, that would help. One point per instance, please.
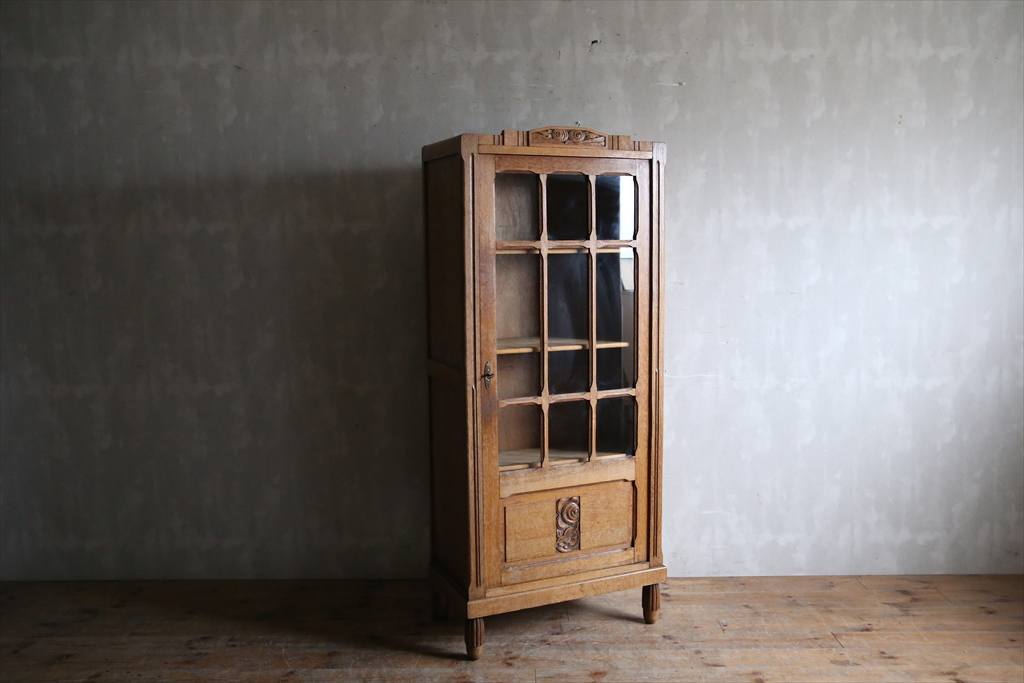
(444, 197)
(658, 347)
(446, 282)
(449, 487)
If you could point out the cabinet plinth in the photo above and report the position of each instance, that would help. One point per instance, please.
(544, 283)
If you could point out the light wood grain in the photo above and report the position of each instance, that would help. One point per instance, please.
(575, 563)
(383, 631)
(606, 517)
(529, 530)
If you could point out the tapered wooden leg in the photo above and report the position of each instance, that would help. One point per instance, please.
(439, 605)
(652, 603)
(474, 638)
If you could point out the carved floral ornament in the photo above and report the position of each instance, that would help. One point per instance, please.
(568, 136)
(567, 524)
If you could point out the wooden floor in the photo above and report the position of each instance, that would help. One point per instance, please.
(877, 628)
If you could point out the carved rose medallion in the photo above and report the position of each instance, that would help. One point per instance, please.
(567, 524)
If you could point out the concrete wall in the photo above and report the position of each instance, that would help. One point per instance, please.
(213, 324)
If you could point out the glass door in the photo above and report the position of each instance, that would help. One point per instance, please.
(567, 318)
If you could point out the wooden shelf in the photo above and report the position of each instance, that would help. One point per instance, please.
(532, 344)
(559, 250)
(527, 458)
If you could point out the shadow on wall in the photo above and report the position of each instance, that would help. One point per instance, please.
(215, 379)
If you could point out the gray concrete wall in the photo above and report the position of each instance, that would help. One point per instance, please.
(212, 285)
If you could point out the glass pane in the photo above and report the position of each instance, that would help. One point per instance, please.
(517, 305)
(568, 207)
(518, 375)
(616, 207)
(568, 432)
(516, 201)
(616, 364)
(568, 323)
(616, 426)
(567, 296)
(568, 371)
(519, 437)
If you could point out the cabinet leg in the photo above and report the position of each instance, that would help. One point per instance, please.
(438, 605)
(652, 603)
(474, 638)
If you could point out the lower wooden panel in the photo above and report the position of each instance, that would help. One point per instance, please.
(529, 530)
(563, 580)
(559, 567)
(567, 531)
(606, 518)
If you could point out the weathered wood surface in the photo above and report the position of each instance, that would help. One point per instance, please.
(925, 628)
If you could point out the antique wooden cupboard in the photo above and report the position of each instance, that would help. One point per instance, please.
(545, 280)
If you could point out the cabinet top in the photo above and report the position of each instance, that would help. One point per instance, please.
(547, 141)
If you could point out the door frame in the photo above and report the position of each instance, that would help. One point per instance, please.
(485, 168)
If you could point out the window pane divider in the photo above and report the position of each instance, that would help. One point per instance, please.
(524, 401)
(566, 398)
(616, 393)
(591, 245)
(615, 244)
(542, 245)
(517, 246)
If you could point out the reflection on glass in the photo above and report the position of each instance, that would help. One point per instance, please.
(616, 207)
(616, 368)
(518, 375)
(616, 360)
(616, 426)
(519, 436)
(567, 296)
(568, 323)
(516, 201)
(568, 204)
(568, 371)
(569, 432)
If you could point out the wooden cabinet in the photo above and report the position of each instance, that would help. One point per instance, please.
(544, 269)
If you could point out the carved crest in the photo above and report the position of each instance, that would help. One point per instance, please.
(567, 524)
(568, 136)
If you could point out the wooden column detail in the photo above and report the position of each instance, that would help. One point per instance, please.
(474, 638)
(652, 602)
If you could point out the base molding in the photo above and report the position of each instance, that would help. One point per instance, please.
(499, 604)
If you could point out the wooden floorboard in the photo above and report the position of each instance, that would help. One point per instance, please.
(869, 628)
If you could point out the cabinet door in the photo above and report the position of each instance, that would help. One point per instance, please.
(564, 303)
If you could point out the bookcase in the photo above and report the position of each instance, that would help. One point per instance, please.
(544, 284)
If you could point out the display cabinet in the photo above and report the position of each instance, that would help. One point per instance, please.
(544, 272)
